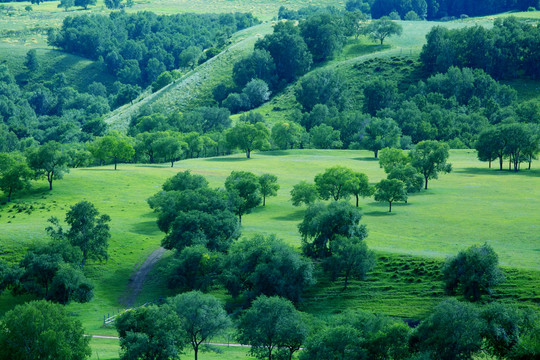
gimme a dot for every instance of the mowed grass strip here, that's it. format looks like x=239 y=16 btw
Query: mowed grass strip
x=472 y=205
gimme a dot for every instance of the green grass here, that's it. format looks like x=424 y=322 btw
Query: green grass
x=472 y=205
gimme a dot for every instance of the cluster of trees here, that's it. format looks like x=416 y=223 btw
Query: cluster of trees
x=478 y=47
x=518 y=142
x=406 y=174
x=54 y=270
x=137 y=48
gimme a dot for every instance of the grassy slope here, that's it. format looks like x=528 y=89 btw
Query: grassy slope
x=472 y=205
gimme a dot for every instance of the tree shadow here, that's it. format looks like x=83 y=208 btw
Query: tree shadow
x=496 y=171
x=227 y=159
x=366 y=158
x=145 y=228
x=274 y=153
x=380 y=213
x=294 y=216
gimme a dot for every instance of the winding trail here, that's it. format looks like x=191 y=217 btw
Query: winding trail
x=137 y=279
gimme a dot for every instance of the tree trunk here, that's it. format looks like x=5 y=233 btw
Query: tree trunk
x=376 y=153
x=346 y=281
x=530 y=161
x=425 y=187
x=269 y=354
x=490 y=163
x=240 y=218
x=390 y=207
x=115 y=161
x=264 y=200
x=50 y=184
x=356 y=200
x=500 y=162
x=196 y=351
x=248 y=153
x=172 y=163
x=9 y=195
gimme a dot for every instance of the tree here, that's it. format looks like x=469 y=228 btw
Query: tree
x=248 y=137
x=490 y=146
x=303 y=192
x=325 y=137
x=114 y=146
x=381 y=133
x=269 y=324
x=14 y=173
x=85 y=3
x=66 y=4
x=391 y=158
x=170 y=148
x=257 y=93
x=244 y=192
x=412 y=180
x=326 y=87
x=452 y=331
x=194 y=268
x=379 y=94
x=258 y=65
x=384 y=27
x=189 y=57
x=286 y=134
x=429 y=158
x=390 y=190
x=336 y=342
x=48 y=160
x=357 y=21
x=268 y=186
x=88 y=231
x=359 y=186
x=323 y=34
x=288 y=50
x=42 y=330
x=266 y=265
x=164 y=79
x=31 y=62
x=472 y=272
x=323 y=223
x=185 y=180
x=201 y=317
x=334 y=183
x=70 y=284
x=150 y=332
x=113 y=4
x=350 y=258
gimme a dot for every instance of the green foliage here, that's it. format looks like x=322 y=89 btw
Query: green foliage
x=164 y=79
x=48 y=160
x=270 y=324
x=194 y=268
x=390 y=190
x=429 y=158
x=14 y=173
x=379 y=94
x=189 y=57
x=383 y=28
x=323 y=223
x=31 y=62
x=323 y=34
x=268 y=186
x=359 y=186
x=412 y=180
x=392 y=158
x=256 y=92
x=150 y=333
x=325 y=137
x=70 y=284
x=42 y=330
x=266 y=265
x=244 y=192
x=66 y=4
x=305 y=193
x=201 y=317
x=473 y=272
x=115 y=147
x=381 y=133
x=334 y=183
x=326 y=87
x=287 y=134
x=258 y=65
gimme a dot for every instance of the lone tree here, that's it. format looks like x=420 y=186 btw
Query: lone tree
x=383 y=28
x=429 y=158
x=390 y=190
x=88 y=230
x=381 y=133
x=472 y=272
x=244 y=192
x=304 y=192
x=272 y=323
x=269 y=186
x=359 y=186
x=42 y=330
x=334 y=183
x=14 y=173
x=248 y=137
x=201 y=316
x=115 y=147
x=48 y=160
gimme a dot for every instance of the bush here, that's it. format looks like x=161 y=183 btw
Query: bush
x=411 y=16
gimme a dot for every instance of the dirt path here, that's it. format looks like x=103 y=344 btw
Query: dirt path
x=137 y=279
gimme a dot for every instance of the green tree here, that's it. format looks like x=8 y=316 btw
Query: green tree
x=194 y=268
x=164 y=79
x=325 y=137
x=244 y=191
x=323 y=34
x=472 y=272
x=269 y=324
x=248 y=137
x=39 y=270
x=359 y=186
x=381 y=133
x=429 y=158
x=334 y=183
x=391 y=158
x=350 y=258
x=42 y=330
x=490 y=146
x=379 y=94
x=48 y=160
x=337 y=342
x=323 y=223
x=185 y=180
x=66 y=4
x=266 y=265
x=115 y=147
x=382 y=28
x=170 y=148
x=452 y=331
x=201 y=316
x=31 y=62
x=287 y=134
x=258 y=65
x=70 y=284
x=326 y=87
x=409 y=175
x=87 y=230
x=303 y=192
x=268 y=186
x=357 y=22
x=390 y=190
x=257 y=93
x=150 y=333
x=113 y=4
x=85 y=3
x=189 y=57
x=14 y=173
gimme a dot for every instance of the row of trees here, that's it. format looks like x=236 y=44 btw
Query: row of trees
x=54 y=270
